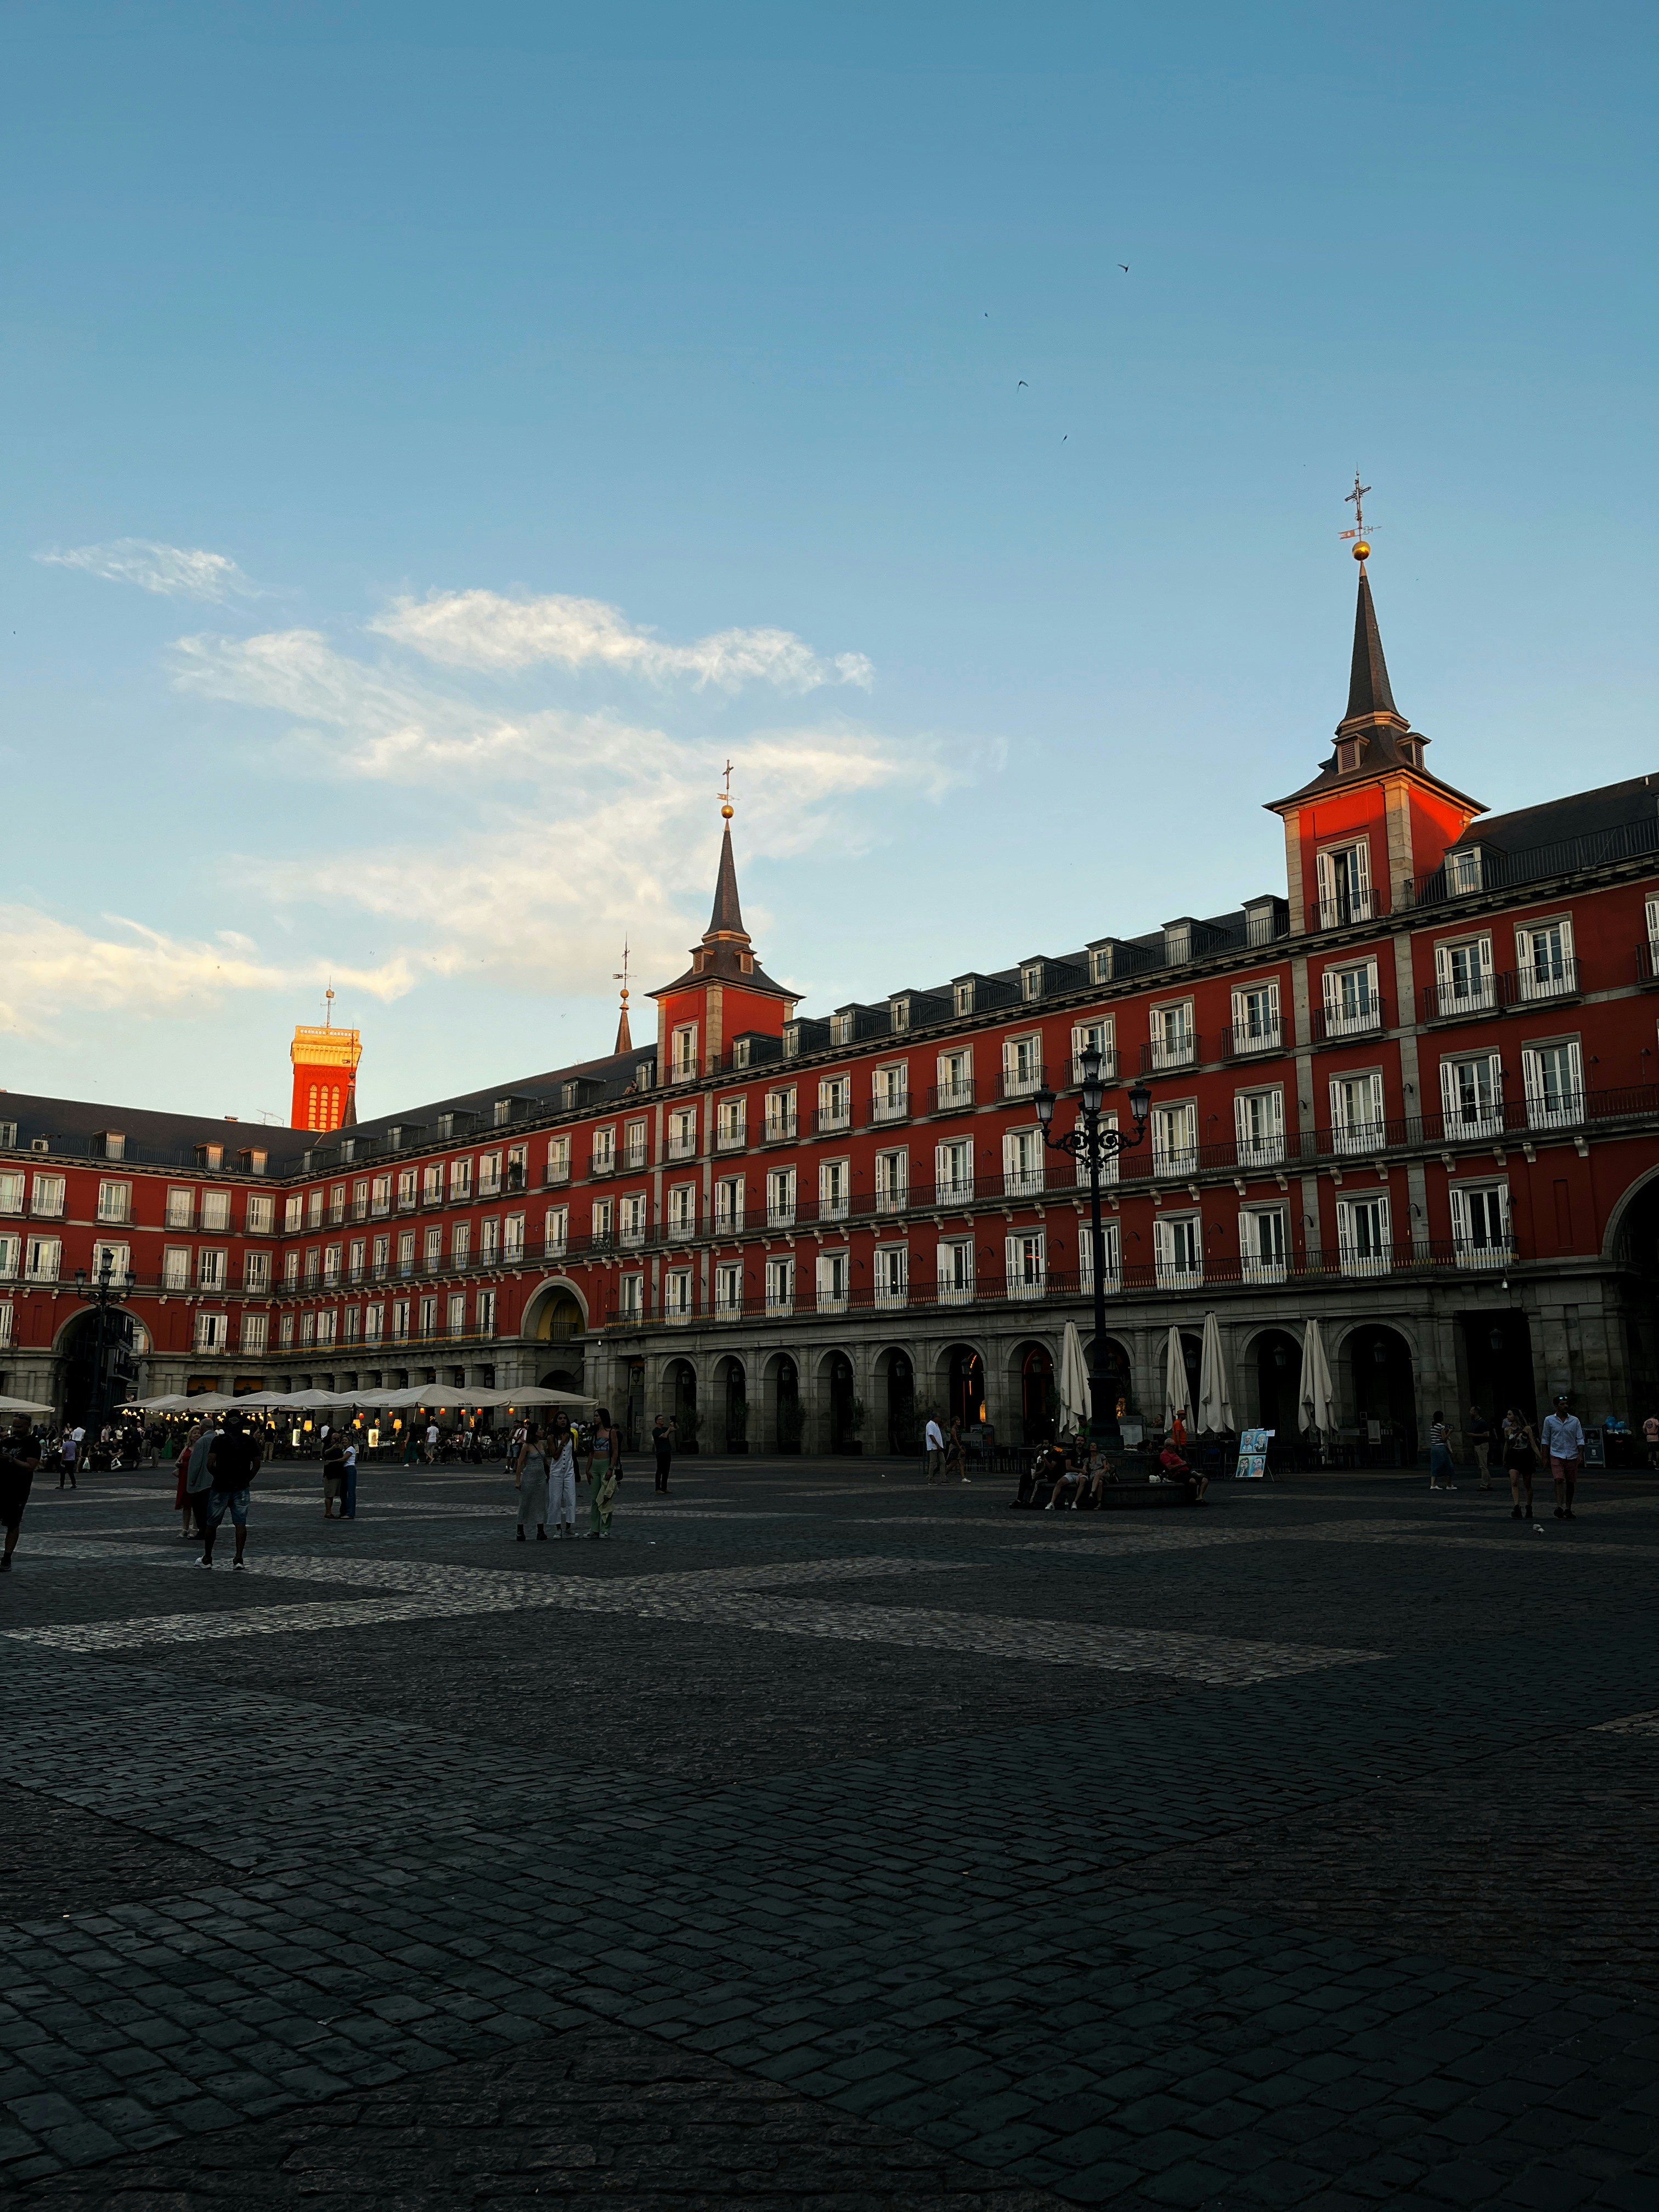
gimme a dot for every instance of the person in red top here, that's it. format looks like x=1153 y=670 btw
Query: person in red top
x=1174 y=1468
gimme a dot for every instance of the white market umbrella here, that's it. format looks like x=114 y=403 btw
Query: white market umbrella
x=1215 y=1413
x=171 y=1402
x=1317 y=1397
x=1074 y=1394
x=1174 y=1383
x=533 y=1394
x=23 y=1405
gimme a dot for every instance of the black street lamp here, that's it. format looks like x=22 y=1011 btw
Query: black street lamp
x=1094 y=1146
x=105 y=1291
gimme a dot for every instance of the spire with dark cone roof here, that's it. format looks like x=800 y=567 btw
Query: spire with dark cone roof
x=727 y=920
x=1367 y=680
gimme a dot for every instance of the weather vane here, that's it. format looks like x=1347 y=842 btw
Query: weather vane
x=724 y=797
x=620 y=974
x=1355 y=499
x=328 y=1006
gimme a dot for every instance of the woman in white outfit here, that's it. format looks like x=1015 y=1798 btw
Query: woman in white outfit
x=561 y=1467
x=530 y=1475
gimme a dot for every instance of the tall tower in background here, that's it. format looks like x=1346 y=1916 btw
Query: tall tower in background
x=324 y=1074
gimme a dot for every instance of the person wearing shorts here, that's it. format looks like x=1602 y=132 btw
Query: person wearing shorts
x=20 y=1455
x=232 y=1463
x=1564 y=1445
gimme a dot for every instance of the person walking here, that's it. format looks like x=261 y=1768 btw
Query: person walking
x=1564 y=1444
x=431 y=1442
x=530 y=1473
x=198 y=1476
x=1440 y=1458
x=334 y=1476
x=68 y=1449
x=662 y=1443
x=351 y=1505
x=20 y=1456
x=1480 y=1445
x=1520 y=1462
x=933 y=1443
x=562 y=1475
x=604 y=1472
x=1651 y=1438
x=956 y=1452
x=182 y=1502
x=232 y=1461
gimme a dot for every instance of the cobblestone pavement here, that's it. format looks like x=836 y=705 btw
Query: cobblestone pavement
x=823 y=1840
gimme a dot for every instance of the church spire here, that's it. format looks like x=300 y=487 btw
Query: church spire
x=727 y=920
x=1367 y=677
x=624 y=1037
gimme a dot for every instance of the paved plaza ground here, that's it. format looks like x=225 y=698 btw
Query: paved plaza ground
x=827 y=1841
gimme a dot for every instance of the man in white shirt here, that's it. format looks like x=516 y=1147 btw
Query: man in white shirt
x=431 y=1443
x=935 y=1445
x=1564 y=1448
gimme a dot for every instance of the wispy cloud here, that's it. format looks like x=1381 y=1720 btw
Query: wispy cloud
x=558 y=827
x=484 y=630
x=174 y=572
x=54 y=967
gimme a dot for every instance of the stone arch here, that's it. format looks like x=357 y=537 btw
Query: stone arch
x=547 y=1311
x=1376 y=1381
x=1033 y=1371
x=682 y=1403
x=728 y=1410
x=1628 y=1215
x=781 y=1417
x=895 y=1423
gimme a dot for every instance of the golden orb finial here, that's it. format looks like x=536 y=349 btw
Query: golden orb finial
x=727 y=809
x=1361 y=550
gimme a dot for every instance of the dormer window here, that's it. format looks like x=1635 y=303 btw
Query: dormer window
x=643 y=1072
x=1350 y=752
x=1030 y=981
x=113 y=1144
x=840 y=1029
x=1100 y=965
x=684 y=1051
x=964 y=997
x=740 y=1052
x=211 y=1157
x=1463 y=871
x=1177 y=943
x=899 y=1013
x=792 y=1039
x=502 y=1113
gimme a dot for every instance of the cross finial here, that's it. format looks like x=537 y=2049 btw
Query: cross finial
x=726 y=808
x=620 y=974
x=1355 y=499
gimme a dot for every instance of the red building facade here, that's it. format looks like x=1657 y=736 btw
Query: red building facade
x=1413 y=1092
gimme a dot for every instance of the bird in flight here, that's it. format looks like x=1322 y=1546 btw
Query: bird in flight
x=1022 y=382
x=1124 y=266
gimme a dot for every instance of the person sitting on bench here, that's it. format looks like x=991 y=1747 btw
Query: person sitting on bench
x=1173 y=1468
x=1068 y=1478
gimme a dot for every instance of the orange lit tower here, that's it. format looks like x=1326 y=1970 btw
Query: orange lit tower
x=324 y=1074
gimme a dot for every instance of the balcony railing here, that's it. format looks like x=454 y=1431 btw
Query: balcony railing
x=1170 y=1272
x=891 y=1109
x=1243 y=1040
x=781 y=1128
x=1021 y=1083
x=730 y=1139
x=1365 y=1017
x=1647 y=962
x=1163 y=1054
x=1502 y=992
x=682 y=1148
x=1343 y=909
x=598 y=1163
x=558 y=1170
x=1564 y=856
x=828 y=1121
x=950 y=1097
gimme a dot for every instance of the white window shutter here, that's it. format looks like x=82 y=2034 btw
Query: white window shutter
x=1460 y=1215
x=1359 y=869
x=941 y=1164
x=1333 y=993
x=1448 y=1090
x=1339 y=1118
x=1240 y=1121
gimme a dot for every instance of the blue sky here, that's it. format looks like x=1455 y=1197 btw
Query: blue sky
x=438 y=438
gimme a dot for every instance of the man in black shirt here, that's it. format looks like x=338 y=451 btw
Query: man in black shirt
x=20 y=1455
x=233 y=1463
